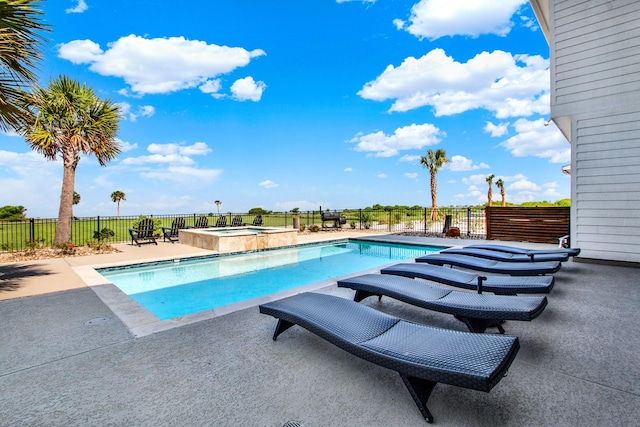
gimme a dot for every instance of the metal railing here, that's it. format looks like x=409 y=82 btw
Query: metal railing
x=32 y=232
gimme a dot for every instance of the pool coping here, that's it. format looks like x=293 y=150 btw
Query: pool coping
x=142 y=322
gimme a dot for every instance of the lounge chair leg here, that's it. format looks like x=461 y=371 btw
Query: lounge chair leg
x=360 y=295
x=420 y=391
x=282 y=326
x=479 y=325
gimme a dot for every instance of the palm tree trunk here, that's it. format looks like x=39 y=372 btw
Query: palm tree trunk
x=118 y=208
x=434 y=197
x=63 y=228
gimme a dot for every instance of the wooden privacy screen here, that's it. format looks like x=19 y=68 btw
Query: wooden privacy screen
x=537 y=225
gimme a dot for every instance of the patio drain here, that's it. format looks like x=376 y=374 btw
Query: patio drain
x=97 y=321
x=293 y=423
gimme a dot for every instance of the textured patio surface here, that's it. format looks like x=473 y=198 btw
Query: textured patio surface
x=67 y=360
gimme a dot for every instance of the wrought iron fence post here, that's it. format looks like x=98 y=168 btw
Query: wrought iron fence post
x=32 y=229
x=99 y=234
x=468 y=221
x=425 y=220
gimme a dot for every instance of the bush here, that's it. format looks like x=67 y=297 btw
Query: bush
x=98 y=245
x=314 y=228
x=65 y=248
x=12 y=213
x=103 y=234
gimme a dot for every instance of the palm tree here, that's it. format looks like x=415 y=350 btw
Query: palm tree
x=68 y=119
x=116 y=197
x=218 y=203
x=500 y=185
x=19 y=53
x=433 y=161
x=490 y=192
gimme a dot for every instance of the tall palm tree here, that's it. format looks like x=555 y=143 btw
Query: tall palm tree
x=20 y=42
x=490 y=192
x=68 y=119
x=117 y=196
x=433 y=161
x=500 y=185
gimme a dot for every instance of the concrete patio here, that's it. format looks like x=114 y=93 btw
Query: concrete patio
x=67 y=360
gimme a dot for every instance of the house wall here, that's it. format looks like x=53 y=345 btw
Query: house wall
x=595 y=96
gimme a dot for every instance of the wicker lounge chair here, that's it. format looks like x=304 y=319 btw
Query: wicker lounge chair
x=490 y=266
x=499 y=285
x=257 y=221
x=477 y=311
x=506 y=257
x=516 y=250
x=422 y=355
x=144 y=232
x=201 y=222
x=171 y=233
x=221 y=221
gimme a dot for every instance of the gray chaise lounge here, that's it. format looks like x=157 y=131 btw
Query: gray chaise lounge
x=504 y=256
x=422 y=355
x=477 y=311
x=516 y=250
x=499 y=267
x=499 y=285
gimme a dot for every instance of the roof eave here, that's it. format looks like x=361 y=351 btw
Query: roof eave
x=541 y=9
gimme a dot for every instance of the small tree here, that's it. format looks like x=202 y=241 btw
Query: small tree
x=76 y=200
x=500 y=185
x=116 y=197
x=12 y=213
x=490 y=192
x=433 y=161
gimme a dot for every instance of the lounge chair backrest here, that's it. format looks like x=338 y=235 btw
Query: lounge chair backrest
x=178 y=224
x=237 y=221
x=201 y=222
x=222 y=221
x=257 y=221
x=145 y=228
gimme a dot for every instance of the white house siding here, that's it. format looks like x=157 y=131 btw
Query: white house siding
x=595 y=81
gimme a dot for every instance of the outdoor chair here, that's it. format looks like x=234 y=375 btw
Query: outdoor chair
x=257 y=221
x=516 y=250
x=237 y=221
x=171 y=233
x=143 y=232
x=201 y=222
x=422 y=355
x=478 y=311
x=499 y=285
x=506 y=257
x=490 y=266
x=222 y=221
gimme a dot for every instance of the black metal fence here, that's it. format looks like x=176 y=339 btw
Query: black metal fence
x=32 y=233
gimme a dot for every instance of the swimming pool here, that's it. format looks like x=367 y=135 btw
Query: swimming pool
x=177 y=288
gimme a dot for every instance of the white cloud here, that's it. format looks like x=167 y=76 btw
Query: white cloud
x=173 y=154
x=501 y=129
x=159 y=65
x=268 y=184
x=381 y=175
x=184 y=174
x=462 y=164
x=126 y=146
x=475 y=179
x=411 y=137
x=348 y=169
x=212 y=87
x=433 y=19
x=142 y=111
x=533 y=138
x=505 y=84
x=411 y=175
x=78 y=8
x=407 y=158
x=247 y=89
x=523 y=185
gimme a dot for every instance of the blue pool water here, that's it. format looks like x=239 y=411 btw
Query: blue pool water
x=177 y=288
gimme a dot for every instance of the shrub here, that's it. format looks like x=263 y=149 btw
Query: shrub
x=65 y=248
x=98 y=245
x=314 y=228
x=103 y=234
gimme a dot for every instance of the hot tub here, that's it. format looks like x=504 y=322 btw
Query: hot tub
x=238 y=239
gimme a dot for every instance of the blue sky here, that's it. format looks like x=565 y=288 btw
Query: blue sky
x=280 y=104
